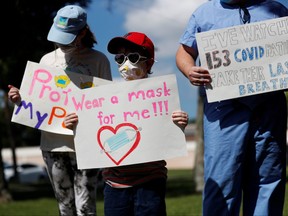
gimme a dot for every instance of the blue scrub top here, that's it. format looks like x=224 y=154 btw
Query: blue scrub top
x=216 y=15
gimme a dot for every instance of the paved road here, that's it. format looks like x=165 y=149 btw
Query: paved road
x=33 y=155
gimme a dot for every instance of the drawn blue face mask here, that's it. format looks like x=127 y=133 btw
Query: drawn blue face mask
x=120 y=139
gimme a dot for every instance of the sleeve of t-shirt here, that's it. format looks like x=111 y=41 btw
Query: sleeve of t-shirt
x=106 y=72
x=188 y=38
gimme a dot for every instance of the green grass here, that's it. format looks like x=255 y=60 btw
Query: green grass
x=181 y=199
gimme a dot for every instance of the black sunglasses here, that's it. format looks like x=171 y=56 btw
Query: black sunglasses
x=246 y=15
x=134 y=58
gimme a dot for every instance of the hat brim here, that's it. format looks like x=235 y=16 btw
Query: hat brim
x=117 y=42
x=61 y=37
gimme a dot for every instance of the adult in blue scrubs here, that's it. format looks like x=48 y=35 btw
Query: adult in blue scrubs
x=244 y=138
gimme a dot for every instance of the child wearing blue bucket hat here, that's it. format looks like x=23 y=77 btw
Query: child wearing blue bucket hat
x=74 y=189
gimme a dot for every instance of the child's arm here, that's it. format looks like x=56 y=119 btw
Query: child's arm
x=14 y=94
x=180 y=118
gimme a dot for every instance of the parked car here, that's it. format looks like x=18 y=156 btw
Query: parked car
x=27 y=172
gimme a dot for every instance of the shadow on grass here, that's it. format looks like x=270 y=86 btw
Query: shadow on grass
x=20 y=191
x=179 y=183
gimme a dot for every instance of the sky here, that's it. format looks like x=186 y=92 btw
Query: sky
x=163 y=21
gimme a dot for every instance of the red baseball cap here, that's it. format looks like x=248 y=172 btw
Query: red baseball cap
x=137 y=39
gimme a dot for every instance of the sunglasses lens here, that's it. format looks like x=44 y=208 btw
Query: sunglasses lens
x=133 y=57
x=120 y=58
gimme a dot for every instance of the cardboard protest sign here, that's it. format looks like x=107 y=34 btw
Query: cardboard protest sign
x=245 y=60
x=132 y=123
x=47 y=96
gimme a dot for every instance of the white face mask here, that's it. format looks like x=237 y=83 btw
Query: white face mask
x=132 y=72
x=68 y=49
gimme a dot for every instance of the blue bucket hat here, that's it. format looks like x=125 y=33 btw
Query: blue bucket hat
x=67 y=24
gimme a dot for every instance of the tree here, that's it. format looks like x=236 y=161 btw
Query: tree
x=25 y=25
x=199 y=154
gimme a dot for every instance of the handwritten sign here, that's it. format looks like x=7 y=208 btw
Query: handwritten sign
x=47 y=97
x=245 y=60
x=132 y=125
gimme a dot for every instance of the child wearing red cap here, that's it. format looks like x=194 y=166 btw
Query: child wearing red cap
x=137 y=189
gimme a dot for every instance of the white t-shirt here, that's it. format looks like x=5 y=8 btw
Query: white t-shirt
x=88 y=62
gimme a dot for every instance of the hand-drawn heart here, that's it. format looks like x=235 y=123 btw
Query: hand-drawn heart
x=114 y=131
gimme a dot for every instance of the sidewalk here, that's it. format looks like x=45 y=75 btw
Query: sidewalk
x=23 y=155
x=33 y=155
x=187 y=162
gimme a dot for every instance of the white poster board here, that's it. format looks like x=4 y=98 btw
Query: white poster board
x=245 y=60
x=47 y=96
x=130 y=123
